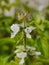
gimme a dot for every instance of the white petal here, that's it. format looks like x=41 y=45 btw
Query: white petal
x=29 y=29
x=13 y=35
x=21 y=55
x=28 y=35
x=37 y=53
x=31 y=48
x=15 y=28
x=22 y=61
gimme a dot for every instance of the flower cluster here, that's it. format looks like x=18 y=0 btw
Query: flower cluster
x=16 y=28
x=22 y=55
x=20 y=49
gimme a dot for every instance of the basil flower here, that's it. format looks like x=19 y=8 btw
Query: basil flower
x=22 y=55
x=28 y=30
x=15 y=28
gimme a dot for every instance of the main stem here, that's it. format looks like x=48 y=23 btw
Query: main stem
x=24 y=37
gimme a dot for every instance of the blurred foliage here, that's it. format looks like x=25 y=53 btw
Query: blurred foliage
x=40 y=37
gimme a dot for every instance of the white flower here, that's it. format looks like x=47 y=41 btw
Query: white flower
x=22 y=61
x=22 y=55
x=31 y=48
x=10 y=12
x=13 y=35
x=15 y=28
x=20 y=48
x=37 y=53
x=28 y=30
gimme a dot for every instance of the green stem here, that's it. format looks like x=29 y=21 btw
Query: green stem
x=24 y=37
x=24 y=41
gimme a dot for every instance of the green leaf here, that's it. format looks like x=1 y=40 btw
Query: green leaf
x=45 y=47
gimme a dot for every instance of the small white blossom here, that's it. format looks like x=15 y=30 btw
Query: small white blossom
x=22 y=61
x=15 y=28
x=31 y=48
x=13 y=35
x=22 y=55
x=37 y=53
x=28 y=30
